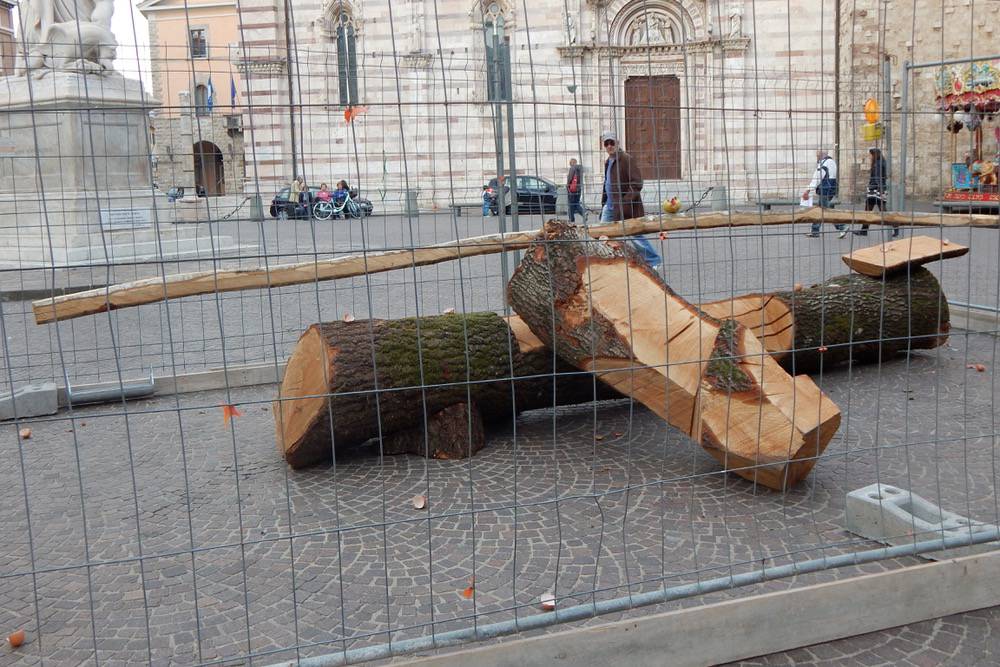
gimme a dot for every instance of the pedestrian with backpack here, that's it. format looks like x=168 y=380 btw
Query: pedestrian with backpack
x=824 y=184
x=574 y=191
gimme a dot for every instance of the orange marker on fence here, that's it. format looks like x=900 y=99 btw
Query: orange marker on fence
x=350 y=113
x=229 y=411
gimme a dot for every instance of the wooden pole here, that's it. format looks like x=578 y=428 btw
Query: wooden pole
x=152 y=290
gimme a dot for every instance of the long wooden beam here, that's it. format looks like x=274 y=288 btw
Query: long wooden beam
x=152 y=290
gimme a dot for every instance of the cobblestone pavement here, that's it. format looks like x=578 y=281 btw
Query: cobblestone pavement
x=152 y=532
x=240 y=555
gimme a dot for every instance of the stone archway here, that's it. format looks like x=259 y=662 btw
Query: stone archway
x=209 y=169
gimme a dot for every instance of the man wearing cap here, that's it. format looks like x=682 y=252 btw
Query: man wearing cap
x=622 y=195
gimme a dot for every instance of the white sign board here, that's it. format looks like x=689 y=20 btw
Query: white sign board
x=125 y=218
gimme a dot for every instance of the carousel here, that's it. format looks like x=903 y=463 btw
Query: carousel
x=969 y=97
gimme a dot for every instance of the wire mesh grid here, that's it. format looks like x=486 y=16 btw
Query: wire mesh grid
x=168 y=528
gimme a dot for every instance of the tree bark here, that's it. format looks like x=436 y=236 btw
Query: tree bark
x=847 y=318
x=601 y=308
x=453 y=433
x=903 y=313
x=349 y=382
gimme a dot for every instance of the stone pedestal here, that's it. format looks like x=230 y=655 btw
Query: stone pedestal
x=75 y=184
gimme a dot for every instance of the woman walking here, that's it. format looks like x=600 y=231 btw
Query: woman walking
x=875 y=197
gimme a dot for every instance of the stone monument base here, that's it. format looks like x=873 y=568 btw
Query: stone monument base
x=75 y=183
x=132 y=227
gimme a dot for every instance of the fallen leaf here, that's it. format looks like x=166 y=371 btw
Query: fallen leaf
x=16 y=638
x=663 y=236
x=548 y=601
x=448 y=311
x=822 y=348
x=25 y=433
x=348 y=317
x=471 y=589
x=228 y=412
x=419 y=502
x=976 y=367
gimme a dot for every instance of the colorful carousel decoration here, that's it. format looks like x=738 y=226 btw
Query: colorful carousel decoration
x=969 y=97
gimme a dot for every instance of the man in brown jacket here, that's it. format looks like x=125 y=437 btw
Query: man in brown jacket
x=622 y=194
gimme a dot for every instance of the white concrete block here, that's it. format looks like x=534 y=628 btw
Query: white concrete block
x=894 y=516
x=32 y=400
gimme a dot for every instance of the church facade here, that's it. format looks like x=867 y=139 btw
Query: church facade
x=416 y=97
x=700 y=90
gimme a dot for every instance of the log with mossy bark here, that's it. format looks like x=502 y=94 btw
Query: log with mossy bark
x=909 y=313
x=601 y=308
x=847 y=318
x=349 y=382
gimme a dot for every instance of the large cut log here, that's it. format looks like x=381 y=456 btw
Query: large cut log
x=847 y=318
x=601 y=308
x=162 y=288
x=349 y=382
x=898 y=314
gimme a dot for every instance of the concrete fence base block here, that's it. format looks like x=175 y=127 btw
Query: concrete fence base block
x=894 y=516
x=33 y=400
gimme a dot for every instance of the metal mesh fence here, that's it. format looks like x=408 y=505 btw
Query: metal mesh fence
x=209 y=478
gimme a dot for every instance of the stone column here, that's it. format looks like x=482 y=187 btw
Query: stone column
x=184 y=145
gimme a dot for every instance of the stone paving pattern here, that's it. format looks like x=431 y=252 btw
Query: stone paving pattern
x=202 y=546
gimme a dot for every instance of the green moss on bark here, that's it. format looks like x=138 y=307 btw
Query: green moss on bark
x=723 y=370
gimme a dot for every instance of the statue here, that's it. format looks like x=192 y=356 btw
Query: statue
x=735 y=22
x=570 y=29
x=73 y=35
x=651 y=29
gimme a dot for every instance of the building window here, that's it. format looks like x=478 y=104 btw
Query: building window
x=199 y=42
x=201 y=106
x=347 y=61
x=498 y=70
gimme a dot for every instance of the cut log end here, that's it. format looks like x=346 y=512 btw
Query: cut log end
x=303 y=401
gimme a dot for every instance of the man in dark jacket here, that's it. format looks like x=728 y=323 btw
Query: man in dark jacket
x=574 y=190
x=622 y=195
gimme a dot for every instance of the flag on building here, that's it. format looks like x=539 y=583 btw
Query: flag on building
x=210 y=102
x=232 y=91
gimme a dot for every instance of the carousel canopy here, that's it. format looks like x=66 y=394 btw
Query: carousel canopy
x=976 y=84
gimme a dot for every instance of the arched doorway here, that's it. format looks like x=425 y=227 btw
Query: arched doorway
x=209 y=169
